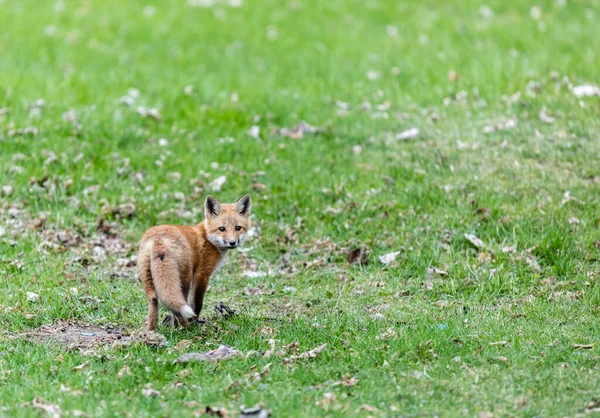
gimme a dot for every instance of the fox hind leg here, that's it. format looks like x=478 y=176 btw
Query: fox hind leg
x=146 y=278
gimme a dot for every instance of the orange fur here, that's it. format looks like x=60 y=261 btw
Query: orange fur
x=176 y=262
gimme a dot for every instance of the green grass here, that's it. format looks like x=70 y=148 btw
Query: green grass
x=288 y=61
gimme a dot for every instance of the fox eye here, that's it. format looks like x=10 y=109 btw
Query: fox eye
x=238 y=228
x=222 y=228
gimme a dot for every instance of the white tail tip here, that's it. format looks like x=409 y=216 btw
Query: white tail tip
x=187 y=312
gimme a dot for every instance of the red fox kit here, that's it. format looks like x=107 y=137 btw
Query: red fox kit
x=174 y=261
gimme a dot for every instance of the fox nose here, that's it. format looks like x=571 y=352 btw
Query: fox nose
x=232 y=243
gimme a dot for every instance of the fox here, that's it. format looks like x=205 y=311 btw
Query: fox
x=176 y=262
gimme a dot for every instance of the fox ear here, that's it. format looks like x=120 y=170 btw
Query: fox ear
x=244 y=205
x=212 y=207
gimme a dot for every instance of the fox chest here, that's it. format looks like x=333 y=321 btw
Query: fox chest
x=209 y=269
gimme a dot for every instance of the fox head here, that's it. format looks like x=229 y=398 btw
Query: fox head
x=227 y=223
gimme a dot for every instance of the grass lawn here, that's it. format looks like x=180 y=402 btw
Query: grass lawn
x=119 y=115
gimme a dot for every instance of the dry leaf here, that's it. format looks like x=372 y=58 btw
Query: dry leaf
x=510 y=249
x=359 y=255
x=299 y=131
x=271 y=349
x=125 y=370
x=432 y=271
x=307 y=354
x=254 y=132
x=33 y=297
x=473 y=239
x=499 y=343
x=215 y=412
x=217 y=184
x=183 y=344
x=502 y=126
x=222 y=353
x=255 y=412
x=325 y=403
x=347 y=381
x=586 y=90
x=502 y=359
x=584 y=346
x=544 y=117
x=368 y=408
x=408 y=134
x=81 y=366
x=149 y=392
x=254 y=274
x=153 y=112
x=52 y=411
x=568 y=198
x=389 y=257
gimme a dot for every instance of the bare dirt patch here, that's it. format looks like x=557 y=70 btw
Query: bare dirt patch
x=79 y=336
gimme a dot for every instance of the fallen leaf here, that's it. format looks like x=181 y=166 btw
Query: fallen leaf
x=307 y=354
x=215 y=412
x=149 y=392
x=535 y=12
x=499 y=343
x=389 y=257
x=584 y=346
x=433 y=271
x=52 y=411
x=586 y=90
x=259 y=187
x=373 y=75
x=299 y=130
x=254 y=132
x=502 y=359
x=544 y=117
x=510 y=249
x=81 y=366
x=574 y=221
x=408 y=134
x=254 y=274
x=183 y=344
x=152 y=112
x=368 y=408
x=328 y=398
x=222 y=353
x=125 y=370
x=33 y=297
x=255 y=412
x=593 y=406
x=501 y=126
x=568 y=198
x=217 y=184
x=359 y=255
x=347 y=381
x=473 y=239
